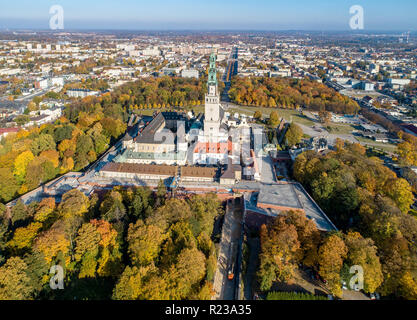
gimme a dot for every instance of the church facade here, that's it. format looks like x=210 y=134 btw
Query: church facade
x=173 y=138
x=213 y=143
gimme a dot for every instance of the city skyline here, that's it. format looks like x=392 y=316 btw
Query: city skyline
x=323 y=15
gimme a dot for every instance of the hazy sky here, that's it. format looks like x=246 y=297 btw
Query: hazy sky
x=211 y=14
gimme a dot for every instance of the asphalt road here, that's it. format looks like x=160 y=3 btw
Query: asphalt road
x=230 y=71
x=223 y=287
x=31 y=96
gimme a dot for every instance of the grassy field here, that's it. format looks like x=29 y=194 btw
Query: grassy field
x=383 y=146
x=149 y=112
x=340 y=128
x=287 y=114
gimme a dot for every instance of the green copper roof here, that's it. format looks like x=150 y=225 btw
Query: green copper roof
x=131 y=155
x=212 y=76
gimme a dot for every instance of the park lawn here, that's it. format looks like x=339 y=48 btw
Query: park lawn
x=383 y=146
x=146 y=112
x=196 y=109
x=287 y=114
x=149 y=112
x=341 y=128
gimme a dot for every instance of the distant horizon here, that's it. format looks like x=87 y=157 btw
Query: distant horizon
x=99 y=30
x=213 y=15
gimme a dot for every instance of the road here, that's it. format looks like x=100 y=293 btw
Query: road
x=224 y=288
x=232 y=69
x=31 y=96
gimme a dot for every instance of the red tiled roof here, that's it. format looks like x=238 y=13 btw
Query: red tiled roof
x=198 y=172
x=210 y=147
x=7 y=130
x=141 y=168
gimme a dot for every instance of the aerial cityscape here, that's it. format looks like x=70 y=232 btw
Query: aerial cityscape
x=151 y=160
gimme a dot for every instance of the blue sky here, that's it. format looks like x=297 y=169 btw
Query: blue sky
x=210 y=14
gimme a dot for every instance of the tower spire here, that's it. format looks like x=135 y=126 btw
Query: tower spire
x=212 y=76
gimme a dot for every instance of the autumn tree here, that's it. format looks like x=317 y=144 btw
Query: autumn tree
x=23 y=238
x=63 y=132
x=140 y=205
x=42 y=143
x=279 y=244
x=97 y=250
x=408 y=284
x=14 y=280
x=187 y=272
x=293 y=135
x=84 y=145
x=144 y=243
x=74 y=203
x=363 y=252
x=204 y=211
x=73 y=209
x=19 y=213
x=20 y=165
x=325 y=116
x=399 y=190
x=45 y=209
x=289 y=93
x=8 y=185
x=172 y=211
x=257 y=115
x=331 y=255
x=308 y=236
x=112 y=208
x=140 y=283
x=53 y=242
x=273 y=119
x=411 y=178
x=407 y=152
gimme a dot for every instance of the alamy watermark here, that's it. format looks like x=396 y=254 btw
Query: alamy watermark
x=56 y=22
x=357 y=21
x=356 y=281
x=57 y=279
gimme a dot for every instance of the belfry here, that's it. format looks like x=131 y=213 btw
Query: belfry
x=213 y=111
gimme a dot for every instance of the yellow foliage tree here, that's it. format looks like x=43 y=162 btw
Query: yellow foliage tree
x=45 y=209
x=331 y=255
x=23 y=237
x=399 y=190
x=21 y=163
x=53 y=241
x=66 y=145
x=408 y=286
x=52 y=156
x=67 y=165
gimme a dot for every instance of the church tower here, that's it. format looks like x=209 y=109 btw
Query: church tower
x=212 y=104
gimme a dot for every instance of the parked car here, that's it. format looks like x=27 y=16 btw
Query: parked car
x=375 y=296
x=318 y=277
